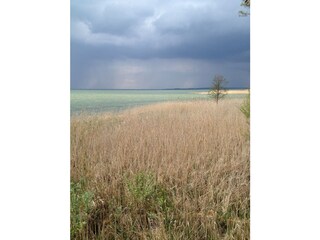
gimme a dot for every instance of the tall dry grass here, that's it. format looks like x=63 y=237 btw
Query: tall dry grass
x=167 y=171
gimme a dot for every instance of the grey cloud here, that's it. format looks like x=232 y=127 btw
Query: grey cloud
x=160 y=73
x=150 y=34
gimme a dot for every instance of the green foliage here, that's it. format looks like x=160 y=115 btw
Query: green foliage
x=245 y=4
x=81 y=205
x=142 y=186
x=150 y=198
x=245 y=108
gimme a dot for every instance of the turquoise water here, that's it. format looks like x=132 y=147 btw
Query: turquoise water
x=95 y=101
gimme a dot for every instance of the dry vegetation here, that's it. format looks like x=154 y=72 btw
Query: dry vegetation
x=167 y=171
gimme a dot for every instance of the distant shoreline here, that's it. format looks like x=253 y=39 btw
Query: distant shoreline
x=157 y=89
x=230 y=91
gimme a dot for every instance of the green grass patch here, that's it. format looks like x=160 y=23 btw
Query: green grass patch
x=81 y=205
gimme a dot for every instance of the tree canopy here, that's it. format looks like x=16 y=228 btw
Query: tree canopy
x=245 y=4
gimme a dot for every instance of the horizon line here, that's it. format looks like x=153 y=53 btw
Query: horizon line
x=152 y=88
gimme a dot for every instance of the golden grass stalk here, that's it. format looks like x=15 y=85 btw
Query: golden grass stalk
x=177 y=170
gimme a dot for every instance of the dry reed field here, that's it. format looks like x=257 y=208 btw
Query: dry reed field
x=177 y=170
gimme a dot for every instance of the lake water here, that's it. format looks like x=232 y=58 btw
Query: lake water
x=95 y=101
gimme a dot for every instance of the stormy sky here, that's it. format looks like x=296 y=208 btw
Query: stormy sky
x=148 y=44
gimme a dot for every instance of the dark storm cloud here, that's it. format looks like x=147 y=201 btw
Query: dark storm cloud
x=199 y=37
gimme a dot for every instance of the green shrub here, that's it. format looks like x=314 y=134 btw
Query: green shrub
x=245 y=108
x=150 y=198
x=81 y=205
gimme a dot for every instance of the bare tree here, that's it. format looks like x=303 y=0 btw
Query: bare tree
x=218 y=90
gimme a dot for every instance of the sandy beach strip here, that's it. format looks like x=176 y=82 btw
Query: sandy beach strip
x=235 y=91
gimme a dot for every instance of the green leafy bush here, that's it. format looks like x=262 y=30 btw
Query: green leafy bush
x=150 y=198
x=81 y=205
x=245 y=108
